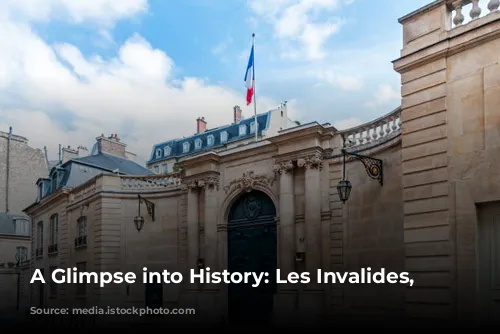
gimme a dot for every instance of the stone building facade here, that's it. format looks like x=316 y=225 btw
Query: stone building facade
x=20 y=166
x=274 y=203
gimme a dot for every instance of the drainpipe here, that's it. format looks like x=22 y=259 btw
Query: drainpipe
x=7 y=174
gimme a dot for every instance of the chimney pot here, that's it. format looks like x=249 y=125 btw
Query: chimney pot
x=238 y=115
x=201 y=125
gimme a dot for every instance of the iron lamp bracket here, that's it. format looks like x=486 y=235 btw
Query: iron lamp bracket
x=373 y=167
x=150 y=206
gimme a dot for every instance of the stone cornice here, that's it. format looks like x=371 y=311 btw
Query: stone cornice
x=199 y=160
x=209 y=180
x=313 y=131
x=47 y=203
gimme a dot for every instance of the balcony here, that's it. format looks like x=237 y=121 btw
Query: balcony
x=53 y=249
x=81 y=241
x=39 y=252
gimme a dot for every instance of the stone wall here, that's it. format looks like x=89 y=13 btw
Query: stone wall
x=450 y=139
x=26 y=165
x=8 y=289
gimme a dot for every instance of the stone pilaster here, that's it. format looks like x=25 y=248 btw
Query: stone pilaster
x=287 y=219
x=211 y=185
x=193 y=225
x=313 y=166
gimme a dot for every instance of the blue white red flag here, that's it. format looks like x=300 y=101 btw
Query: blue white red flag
x=250 y=78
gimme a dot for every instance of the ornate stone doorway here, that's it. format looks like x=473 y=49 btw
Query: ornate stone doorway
x=252 y=247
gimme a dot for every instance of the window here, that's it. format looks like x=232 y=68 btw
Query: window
x=54 y=228
x=252 y=127
x=39 y=239
x=81 y=232
x=54 y=182
x=156 y=169
x=197 y=144
x=164 y=168
x=22 y=254
x=185 y=147
x=243 y=130
x=40 y=191
x=158 y=153
x=166 y=151
x=53 y=286
x=82 y=226
x=210 y=140
x=223 y=136
x=81 y=288
x=22 y=227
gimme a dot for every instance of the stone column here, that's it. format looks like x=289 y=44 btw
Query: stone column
x=287 y=220
x=211 y=185
x=313 y=166
x=193 y=227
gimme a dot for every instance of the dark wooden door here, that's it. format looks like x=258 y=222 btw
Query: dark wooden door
x=252 y=247
x=154 y=295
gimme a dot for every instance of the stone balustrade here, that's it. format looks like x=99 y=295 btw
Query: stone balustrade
x=375 y=132
x=464 y=11
x=172 y=180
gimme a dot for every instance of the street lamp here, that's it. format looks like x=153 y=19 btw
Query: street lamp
x=139 y=220
x=373 y=168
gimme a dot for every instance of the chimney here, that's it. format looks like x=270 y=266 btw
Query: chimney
x=237 y=114
x=111 y=145
x=201 y=125
x=83 y=151
x=68 y=153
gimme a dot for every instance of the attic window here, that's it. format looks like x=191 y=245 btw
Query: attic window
x=210 y=140
x=40 y=191
x=223 y=136
x=167 y=150
x=243 y=130
x=158 y=153
x=252 y=127
x=54 y=182
x=197 y=144
x=185 y=147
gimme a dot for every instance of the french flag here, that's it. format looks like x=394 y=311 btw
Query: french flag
x=250 y=78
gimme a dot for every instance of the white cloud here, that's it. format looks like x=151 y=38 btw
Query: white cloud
x=347 y=123
x=297 y=21
x=345 y=82
x=58 y=95
x=385 y=93
x=104 y=12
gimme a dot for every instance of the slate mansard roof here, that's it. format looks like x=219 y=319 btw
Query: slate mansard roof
x=175 y=146
x=8 y=223
x=79 y=170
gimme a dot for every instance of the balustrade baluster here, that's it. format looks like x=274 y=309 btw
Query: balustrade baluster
x=493 y=5
x=459 y=17
x=475 y=12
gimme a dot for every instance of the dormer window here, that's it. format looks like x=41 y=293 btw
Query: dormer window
x=210 y=140
x=223 y=136
x=197 y=144
x=252 y=127
x=167 y=151
x=40 y=191
x=185 y=147
x=54 y=182
x=158 y=153
x=243 y=130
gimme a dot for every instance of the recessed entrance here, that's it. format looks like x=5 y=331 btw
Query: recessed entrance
x=252 y=247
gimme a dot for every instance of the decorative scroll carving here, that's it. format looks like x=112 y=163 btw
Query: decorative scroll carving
x=248 y=182
x=209 y=183
x=283 y=167
x=311 y=162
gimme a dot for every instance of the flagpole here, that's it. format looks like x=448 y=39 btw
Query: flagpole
x=254 y=95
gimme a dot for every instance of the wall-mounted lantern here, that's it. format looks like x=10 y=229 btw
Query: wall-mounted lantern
x=139 y=220
x=373 y=167
x=201 y=263
x=300 y=256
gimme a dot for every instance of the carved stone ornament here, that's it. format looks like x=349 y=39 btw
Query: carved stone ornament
x=311 y=162
x=283 y=167
x=209 y=183
x=248 y=182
